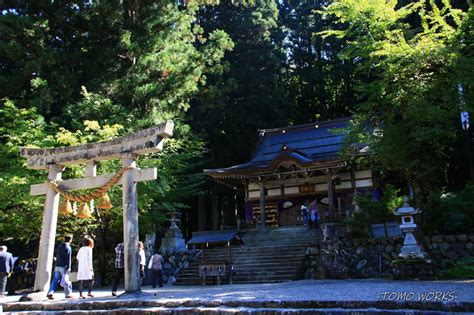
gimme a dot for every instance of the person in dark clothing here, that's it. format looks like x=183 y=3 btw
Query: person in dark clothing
x=6 y=267
x=314 y=214
x=156 y=266
x=119 y=266
x=31 y=271
x=17 y=277
x=63 y=266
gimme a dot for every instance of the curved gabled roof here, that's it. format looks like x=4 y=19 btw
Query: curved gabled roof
x=310 y=145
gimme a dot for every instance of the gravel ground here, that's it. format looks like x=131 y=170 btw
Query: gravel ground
x=304 y=290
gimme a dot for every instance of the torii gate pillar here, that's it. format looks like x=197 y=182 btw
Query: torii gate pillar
x=130 y=228
x=48 y=232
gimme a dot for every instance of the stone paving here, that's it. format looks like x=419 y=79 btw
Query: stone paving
x=431 y=295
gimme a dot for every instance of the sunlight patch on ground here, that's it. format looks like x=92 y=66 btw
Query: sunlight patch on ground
x=247 y=295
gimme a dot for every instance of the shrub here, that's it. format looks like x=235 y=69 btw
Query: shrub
x=374 y=211
x=449 y=213
x=463 y=269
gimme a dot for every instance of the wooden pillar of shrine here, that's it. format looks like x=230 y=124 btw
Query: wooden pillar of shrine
x=330 y=194
x=263 y=215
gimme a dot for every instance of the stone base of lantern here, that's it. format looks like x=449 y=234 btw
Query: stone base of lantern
x=173 y=242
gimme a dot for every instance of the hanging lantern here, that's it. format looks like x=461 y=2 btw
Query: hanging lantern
x=104 y=202
x=65 y=207
x=83 y=211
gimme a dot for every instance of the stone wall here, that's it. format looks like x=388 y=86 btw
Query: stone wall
x=177 y=262
x=446 y=249
x=370 y=258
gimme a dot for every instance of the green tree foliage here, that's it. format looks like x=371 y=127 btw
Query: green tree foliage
x=450 y=213
x=463 y=269
x=248 y=93
x=409 y=55
x=164 y=55
x=374 y=211
x=19 y=212
x=319 y=81
x=147 y=56
x=179 y=178
x=94 y=71
x=52 y=48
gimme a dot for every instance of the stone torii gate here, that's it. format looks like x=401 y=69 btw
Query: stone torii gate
x=125 y=148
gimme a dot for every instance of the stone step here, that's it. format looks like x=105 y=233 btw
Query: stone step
x=265 y=244
x=263 y=249
x=237 y=280
x=252 y=264
x=275 y=269
x=252 y=275
x=272 y=265
x=243 y=273
x=270 y=255
x=269 y=250
x=254 y=254
x=143 y=303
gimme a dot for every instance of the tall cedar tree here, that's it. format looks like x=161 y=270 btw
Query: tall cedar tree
x=248 y=93
x=128 y=62
x=318 y=80
x=147 y=56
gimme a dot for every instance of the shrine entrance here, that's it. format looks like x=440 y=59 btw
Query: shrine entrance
x=126 y=149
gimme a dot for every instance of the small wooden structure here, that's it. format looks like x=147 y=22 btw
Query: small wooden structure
x=216 y=269
x=125 y=148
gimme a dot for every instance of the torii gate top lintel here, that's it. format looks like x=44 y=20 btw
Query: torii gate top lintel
x=141 y=142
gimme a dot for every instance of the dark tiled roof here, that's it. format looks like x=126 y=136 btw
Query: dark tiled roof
x=306 y=145
x=212 y=237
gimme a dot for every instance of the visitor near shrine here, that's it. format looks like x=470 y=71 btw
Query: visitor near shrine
x=141 y=252
x=62 y=268
x=156 y=266
x=304 y=212
x=6 y=267
x=85 y=270
x=119 y=267
x=313 y=208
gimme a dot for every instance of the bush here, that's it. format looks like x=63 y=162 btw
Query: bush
x=463 y=269
x=374 y=211
x=449 y=213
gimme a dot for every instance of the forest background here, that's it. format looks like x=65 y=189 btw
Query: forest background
x=74 y=72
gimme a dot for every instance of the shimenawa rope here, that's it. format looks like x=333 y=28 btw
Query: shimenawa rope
x=91 y=195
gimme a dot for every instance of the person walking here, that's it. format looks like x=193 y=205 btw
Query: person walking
x=141 y=253
x=62 y=268
x=85 y=270
x=314 y=214
x=304 y=212
x=6 y=267
x=119 y=266
x=156 y=266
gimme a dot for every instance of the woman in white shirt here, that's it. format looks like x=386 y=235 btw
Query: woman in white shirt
x=85 y=271
x=141 y=252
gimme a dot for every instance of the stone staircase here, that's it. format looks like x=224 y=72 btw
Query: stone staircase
x=270 y=255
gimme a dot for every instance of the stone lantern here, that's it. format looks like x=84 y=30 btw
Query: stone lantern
x=410 y=248
x=173 y=242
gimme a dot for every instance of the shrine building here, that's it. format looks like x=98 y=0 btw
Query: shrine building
x=297 y=164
